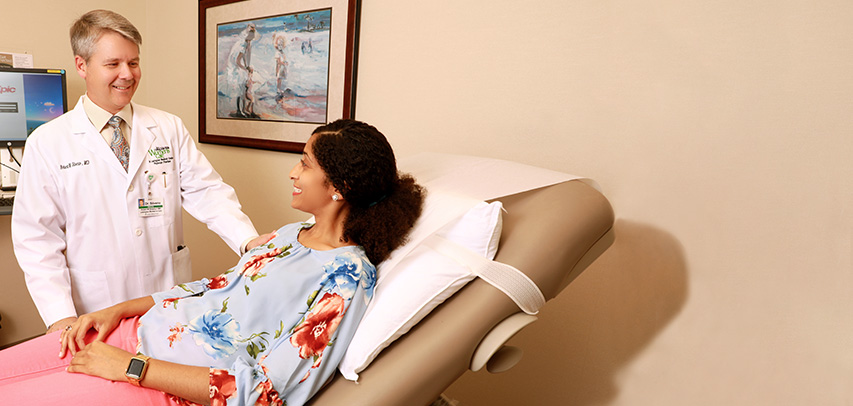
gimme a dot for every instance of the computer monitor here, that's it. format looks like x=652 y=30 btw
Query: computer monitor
x=28 y=99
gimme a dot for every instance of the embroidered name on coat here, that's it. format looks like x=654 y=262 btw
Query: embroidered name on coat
x=73 y=164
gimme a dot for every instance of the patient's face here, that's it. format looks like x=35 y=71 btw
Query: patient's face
x=311 y=191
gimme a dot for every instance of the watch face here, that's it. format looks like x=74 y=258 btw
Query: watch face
x=134 y=370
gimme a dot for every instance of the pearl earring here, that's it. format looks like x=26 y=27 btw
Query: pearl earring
x=335 y=197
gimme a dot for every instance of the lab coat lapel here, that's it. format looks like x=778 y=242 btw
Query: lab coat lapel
x=142 y=138
x=91 y=138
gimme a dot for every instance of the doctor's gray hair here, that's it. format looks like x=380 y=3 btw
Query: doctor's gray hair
x=86 y=31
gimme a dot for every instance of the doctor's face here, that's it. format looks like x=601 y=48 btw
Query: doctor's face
x=112 y=73
x=312 y=192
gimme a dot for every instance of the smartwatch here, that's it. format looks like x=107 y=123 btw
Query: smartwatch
x=136 y=369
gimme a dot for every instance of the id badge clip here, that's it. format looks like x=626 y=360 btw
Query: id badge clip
x=151 y=206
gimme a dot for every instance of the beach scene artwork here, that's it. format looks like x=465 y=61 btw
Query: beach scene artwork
x=274 y=68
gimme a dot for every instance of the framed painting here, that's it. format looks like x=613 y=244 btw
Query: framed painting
x=270 y=71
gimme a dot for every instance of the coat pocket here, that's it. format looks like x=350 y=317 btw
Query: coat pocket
x=90 y=290
x=181 y=265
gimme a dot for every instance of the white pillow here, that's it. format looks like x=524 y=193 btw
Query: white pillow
x=416 y=279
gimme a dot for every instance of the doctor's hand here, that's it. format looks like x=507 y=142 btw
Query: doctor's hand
x=60 y=324
x=260 y=240
x=103 y=321
x=101 y=360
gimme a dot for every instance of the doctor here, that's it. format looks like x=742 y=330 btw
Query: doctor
x=97 y=218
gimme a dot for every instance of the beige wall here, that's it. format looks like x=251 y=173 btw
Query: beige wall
x=720 y=131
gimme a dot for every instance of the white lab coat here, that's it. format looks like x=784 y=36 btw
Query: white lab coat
x=76 y=227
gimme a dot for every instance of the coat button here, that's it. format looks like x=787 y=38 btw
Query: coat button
x=138 y=232
x=130 y=189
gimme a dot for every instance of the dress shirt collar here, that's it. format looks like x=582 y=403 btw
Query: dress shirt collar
x=99 y=116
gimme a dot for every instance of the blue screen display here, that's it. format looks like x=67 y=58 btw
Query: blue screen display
x=28 y=99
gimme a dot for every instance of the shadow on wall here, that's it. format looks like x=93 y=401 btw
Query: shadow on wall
x=596 y=326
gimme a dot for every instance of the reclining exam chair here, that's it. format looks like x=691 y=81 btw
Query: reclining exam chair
x=551 y=234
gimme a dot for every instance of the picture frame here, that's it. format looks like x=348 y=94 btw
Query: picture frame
x=271 y=71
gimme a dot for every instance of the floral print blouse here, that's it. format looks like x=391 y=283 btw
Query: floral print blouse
x=273 y=328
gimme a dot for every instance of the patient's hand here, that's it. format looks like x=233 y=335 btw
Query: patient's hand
x=102 y=360
x=61 y=324
x=103 y=321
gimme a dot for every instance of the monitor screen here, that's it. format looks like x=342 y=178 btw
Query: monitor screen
x=28 y=99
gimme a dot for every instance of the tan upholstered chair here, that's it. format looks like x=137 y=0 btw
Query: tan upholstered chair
x=551 y=234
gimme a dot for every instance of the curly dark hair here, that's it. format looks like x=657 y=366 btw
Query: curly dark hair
x=384 y=204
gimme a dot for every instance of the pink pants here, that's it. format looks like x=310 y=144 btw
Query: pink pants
x=31 y=373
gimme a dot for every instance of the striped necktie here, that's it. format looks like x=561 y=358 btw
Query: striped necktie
x=119 y=144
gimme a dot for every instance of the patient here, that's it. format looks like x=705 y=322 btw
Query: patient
x=271 y=330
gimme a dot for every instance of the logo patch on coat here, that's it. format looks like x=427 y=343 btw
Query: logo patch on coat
x=160 y=155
